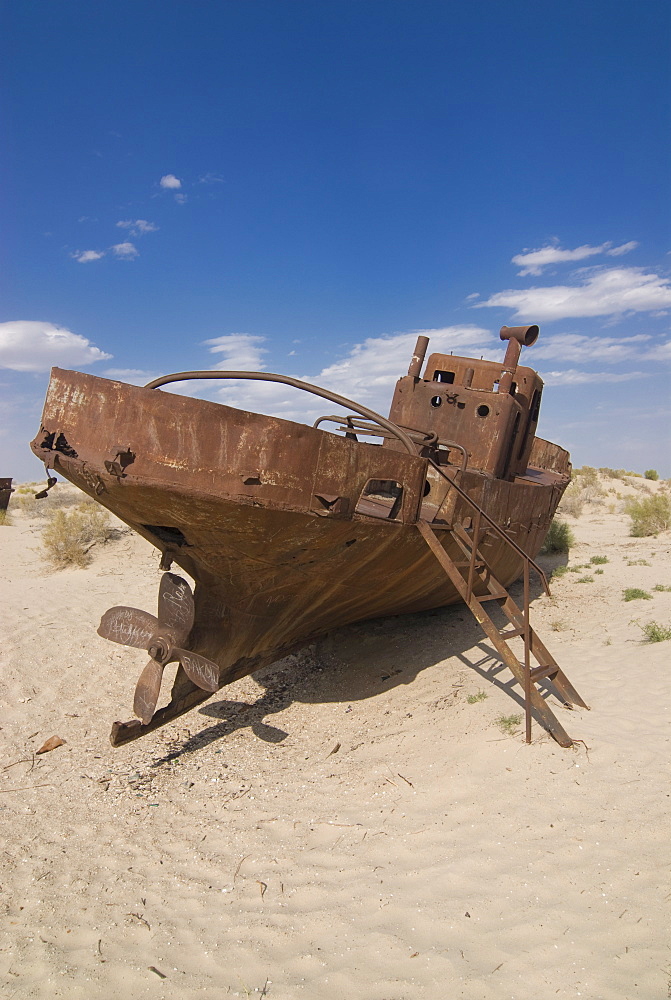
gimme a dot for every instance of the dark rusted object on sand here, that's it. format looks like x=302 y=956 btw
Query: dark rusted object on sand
x=290 y=531
x=5 y=492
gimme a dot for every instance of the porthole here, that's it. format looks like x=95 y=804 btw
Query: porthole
x=436 y=400
x=482 y=410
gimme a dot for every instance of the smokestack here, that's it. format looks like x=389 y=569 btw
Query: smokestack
x=418 y=357
x=517 y=337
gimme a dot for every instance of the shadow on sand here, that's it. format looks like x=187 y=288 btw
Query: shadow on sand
x=366 y=659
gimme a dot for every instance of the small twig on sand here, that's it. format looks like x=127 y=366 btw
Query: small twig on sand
x=240 y=864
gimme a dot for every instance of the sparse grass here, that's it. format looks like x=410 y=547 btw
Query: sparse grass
x=559 y=538
x=652 y=474
x=5 y=517
x=635 y=594
x=649 y=516
x=638 y=562
x=473 y=698
x=508 y=723
x=67 y=538
x=575 y=569
x=559 y=571
x=558 y=625
x=585 y=579
x=661 y=587
x=654 y=632
x=599 y=560
x=597 y=571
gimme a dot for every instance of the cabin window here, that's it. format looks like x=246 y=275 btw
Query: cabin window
x=381 y=498
x=436 y=400
x=535 y=406
x=439 y=376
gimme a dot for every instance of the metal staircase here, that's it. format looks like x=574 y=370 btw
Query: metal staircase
x=477 y=585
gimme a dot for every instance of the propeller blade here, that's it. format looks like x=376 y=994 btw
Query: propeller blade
x=203 y=672
x=129 y=627
x=147 y=691
x=176 y=607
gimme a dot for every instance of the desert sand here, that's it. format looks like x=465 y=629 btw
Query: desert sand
x=344 y=824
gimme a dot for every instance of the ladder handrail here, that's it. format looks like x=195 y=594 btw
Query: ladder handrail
x=497 y=528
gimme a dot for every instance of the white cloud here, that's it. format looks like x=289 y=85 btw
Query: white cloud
x=624 y=248
x=138 y=227
x=572 y=376
x=367 y=374
x=134 y=376
x=180 y=198
x=573 y=346
x=602 y=292
x=662 y=352
x=125 y=251
x=27 y=346
x=240 y=352
x=211 y=178
x=170 y=182
x=86 y=256
x=535 y=261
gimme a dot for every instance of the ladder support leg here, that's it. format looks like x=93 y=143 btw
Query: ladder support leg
x=521 y=672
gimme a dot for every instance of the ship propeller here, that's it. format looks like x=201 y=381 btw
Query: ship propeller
x=163 y=638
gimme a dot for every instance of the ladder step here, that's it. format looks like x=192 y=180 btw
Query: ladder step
x=545 y=670
x=492 y=597
x=510 y=634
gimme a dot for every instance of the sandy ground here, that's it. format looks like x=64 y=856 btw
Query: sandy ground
x=345 y=824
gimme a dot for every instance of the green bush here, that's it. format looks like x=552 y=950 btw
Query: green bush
x=599 y=560
x=559 y=538
x=654 y=632
x=67 y=538
x=636 y=594
x=649 y=516
x=652 y=474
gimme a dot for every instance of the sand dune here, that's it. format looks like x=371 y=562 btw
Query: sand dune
x=345 y=824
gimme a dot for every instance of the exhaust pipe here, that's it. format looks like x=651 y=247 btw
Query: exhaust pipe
x=417 y=361
x=517 y=337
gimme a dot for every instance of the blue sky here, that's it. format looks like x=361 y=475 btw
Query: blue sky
x=303 y=186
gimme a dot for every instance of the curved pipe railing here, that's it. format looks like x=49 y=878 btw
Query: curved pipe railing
x=334 y=397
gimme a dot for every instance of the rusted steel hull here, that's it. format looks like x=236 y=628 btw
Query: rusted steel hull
x=267 y=515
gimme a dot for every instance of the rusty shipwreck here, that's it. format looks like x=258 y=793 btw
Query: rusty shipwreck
x=290 y=531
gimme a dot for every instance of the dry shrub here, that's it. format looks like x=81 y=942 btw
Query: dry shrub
x=613 y=473
x=572 y=502
x=5 y=517
x=649 y=516
x=68 y=537
x=588 y=475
